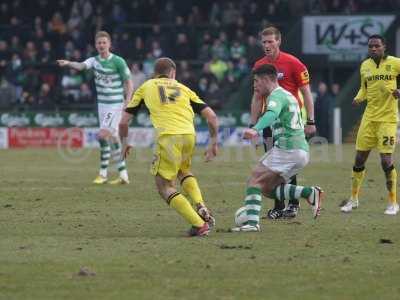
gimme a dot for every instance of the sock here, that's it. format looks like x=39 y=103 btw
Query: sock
x=289 y=192
x=178 y=202
x=104 y=157
x=253 y=205
x=357 y=177
x=391 y=183
x=120 y=163
x=293 y=180
x=191 y=187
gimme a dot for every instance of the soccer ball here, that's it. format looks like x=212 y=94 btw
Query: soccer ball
x=241 y=216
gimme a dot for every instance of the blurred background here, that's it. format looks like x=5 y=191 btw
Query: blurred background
x=214 y=43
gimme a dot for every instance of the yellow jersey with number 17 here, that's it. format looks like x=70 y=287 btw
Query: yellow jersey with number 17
x=171 y=105
x=378 y=81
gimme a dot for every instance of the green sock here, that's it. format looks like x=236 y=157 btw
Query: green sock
x=253 y=205
x=119 y=161
x=290 y=192
x=104 y=157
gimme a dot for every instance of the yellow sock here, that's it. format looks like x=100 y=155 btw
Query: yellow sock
x=191 y=187
x=357 y=177
x=178 y=202
x=391 y=184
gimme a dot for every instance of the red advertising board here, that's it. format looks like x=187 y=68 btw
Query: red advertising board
x=45 y=137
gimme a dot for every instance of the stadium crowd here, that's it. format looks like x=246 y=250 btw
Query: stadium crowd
x=215 y=43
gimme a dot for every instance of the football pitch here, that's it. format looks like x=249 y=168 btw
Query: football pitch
x=62 y=237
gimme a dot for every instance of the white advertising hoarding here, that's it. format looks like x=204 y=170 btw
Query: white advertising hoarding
x=342 y=34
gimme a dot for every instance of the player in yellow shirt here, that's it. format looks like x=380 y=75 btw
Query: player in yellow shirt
x=379 y=123
x=172 y=106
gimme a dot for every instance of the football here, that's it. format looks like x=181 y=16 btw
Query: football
x=241 y=216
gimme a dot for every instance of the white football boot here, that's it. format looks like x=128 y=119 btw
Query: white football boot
x=392 y=209
x=247 y=228
x=315 y=200
x=348 y=207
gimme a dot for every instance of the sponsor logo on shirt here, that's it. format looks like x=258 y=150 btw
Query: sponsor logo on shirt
x=305 y=77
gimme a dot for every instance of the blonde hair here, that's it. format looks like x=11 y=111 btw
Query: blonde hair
x=271 y=30
x=101 y=34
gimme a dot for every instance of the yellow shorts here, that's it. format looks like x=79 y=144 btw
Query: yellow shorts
x=380 y=135
x=173 y=153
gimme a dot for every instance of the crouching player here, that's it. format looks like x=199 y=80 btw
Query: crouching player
x=172 y=106
x=286 y=158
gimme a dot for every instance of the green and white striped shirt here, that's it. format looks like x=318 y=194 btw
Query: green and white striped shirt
x=109 y=75
x=288 y=128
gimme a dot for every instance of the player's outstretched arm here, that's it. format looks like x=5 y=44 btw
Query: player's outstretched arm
x=309 y=105
x=212 y=121
x=71 y=64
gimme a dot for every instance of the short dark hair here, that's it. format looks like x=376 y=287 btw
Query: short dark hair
x=266 y=69
x=163 y=66
x=379 y=37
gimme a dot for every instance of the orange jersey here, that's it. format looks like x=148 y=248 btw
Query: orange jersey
x=292 y=73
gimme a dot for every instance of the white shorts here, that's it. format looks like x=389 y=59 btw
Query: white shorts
x=109 y=118
x=285 y=162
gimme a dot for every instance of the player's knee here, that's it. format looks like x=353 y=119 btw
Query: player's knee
x=358 y=168
x=387 y=166
x=103 y=134
x=254 y=181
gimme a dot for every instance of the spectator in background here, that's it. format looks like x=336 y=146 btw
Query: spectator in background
x=70 y=83
x=14 y=74
x=237 y=51
x=156 y=50
x=5 y=53
x=218 y=67
x=148 y=65
x=138 y=77
x=86 y=94
x=15 y=44
x=4 y=13
x=138 y=52
x=30 y=55
x=323 y=111
x=335 y=89
x=186 y=75
x=57 y=25
x=183 y=50
x=7 y=92
x=69 y=49
x=46 y=54
x=168 y=15
x=230 y=14
x=45 y=98
x=253 y=49
x=219 y=50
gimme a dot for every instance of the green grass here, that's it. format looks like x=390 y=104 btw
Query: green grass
x=53 y=221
